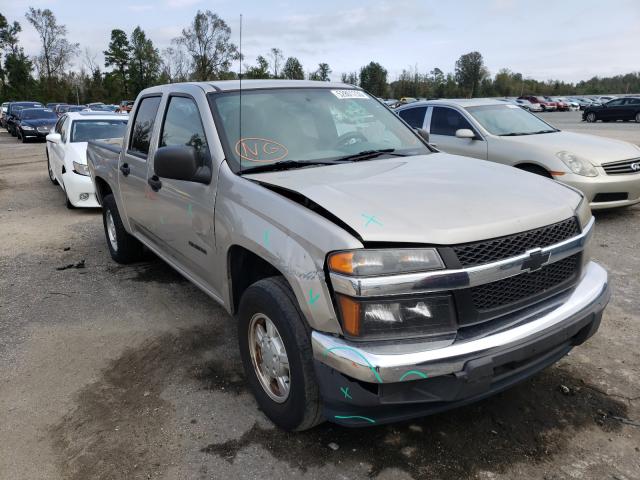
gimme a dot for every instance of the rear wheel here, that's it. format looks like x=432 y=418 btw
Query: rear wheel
x=275 y=346
x=123 y=247
x=638 y=117
x=591 y=117
x=52 y=176
x=22 y=137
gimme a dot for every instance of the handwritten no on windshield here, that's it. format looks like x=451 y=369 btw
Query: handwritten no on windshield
x=256 y=149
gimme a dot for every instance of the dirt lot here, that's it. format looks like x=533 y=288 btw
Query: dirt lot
x=112 y=372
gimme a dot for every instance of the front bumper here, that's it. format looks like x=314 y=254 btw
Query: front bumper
x=75 y=185
x=605 y=185
x=364 y=384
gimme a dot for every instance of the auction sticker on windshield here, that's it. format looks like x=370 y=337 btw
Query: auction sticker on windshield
x=344 y=94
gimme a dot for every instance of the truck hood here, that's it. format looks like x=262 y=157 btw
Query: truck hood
x=597 y=150
x=436 y=199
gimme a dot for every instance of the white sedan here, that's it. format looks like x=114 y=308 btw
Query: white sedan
x=607 y=171
x=67 y=152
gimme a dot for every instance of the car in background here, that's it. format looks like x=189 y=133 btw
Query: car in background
x=570 y=104
x=11 y=111
x=546 y=105
x=582 y=102
x=125 y=106
x=625 y=109
x=60 y=109
x=527 y=105
x=70 y=108
x=604 y=99
x=67 y=152
x=606 y=171
x=3 y=114
x=53 y=105
x=560 y=105
x=34 y=123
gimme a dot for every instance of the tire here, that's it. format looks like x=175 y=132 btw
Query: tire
x=535 y=169
x=272 y=299
x=123 y=247
x=52 y=176
x=591 y=117
x=22 y=137
x=638 y=117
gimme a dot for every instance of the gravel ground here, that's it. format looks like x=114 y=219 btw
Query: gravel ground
x=130 y=372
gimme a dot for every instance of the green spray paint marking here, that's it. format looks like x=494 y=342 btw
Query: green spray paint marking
x=265 y=238
x=345 y=392
x=413 y=372
x=358 y=417
x=373 y=370
x=313 y=299
x=371 y=219
x=190 y=210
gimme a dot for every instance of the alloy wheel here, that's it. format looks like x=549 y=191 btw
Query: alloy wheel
x=111 y=231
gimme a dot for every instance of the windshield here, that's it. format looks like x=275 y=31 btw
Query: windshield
x=308 y=125
x=85 y=130
x=30 y=114
x=509 y=120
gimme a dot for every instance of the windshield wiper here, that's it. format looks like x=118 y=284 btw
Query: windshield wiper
x=517 y=134
x=369 y=154
x=283 y=165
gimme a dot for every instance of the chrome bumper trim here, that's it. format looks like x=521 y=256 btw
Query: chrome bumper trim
x=439 y=280
x=406 y=362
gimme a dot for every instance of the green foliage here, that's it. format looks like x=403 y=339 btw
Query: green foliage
x=261 y=70
x=144 y=66
x=470 y=72
x=118 y=55
x=293 y=69
x=322 y=73
x=373 y=78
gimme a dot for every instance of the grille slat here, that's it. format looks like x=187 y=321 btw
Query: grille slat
x=496 y=249
x=621 y=167
x=515 y=289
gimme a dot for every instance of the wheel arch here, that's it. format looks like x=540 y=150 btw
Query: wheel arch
x=534 y=167
x=102 y=188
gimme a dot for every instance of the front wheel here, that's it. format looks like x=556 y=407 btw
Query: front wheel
x=275 y=346
x=591 y=117
x=638 y=117
x=123 y=247
x=52 y=176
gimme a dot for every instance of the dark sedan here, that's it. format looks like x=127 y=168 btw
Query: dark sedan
x=35 y=123
x=625 y=109
x=12 y=108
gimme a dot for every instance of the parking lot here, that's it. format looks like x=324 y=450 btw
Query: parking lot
x=127 y=372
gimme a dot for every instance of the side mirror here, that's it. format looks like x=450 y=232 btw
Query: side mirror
x=54 y=138
x=423 y=133
x=465 y=133
x=182 y=162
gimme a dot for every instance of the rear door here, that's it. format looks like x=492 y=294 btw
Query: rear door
x=444 y=122
x=613 y=111
x=132 y=173
x=414 y=116
x=183 y=210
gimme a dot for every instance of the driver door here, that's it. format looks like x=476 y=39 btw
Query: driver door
x=444 y=122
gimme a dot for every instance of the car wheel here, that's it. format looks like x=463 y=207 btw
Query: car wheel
x=638 y=117
x=123 y=247
x=276 y=353
x=591 y=117
x=52 y=175
x=22 y=137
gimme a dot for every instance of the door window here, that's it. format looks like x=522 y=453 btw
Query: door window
x=445 y=121
x=615 y=103
x=414 y=116
x=143 y=126
x=64 y=129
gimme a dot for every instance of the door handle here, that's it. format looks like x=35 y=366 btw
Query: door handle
x=124 y=168
x=155 y=183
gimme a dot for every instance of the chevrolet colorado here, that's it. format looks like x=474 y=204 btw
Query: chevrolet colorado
x=372 y=278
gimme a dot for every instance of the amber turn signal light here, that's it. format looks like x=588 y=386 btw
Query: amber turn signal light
x=341 y=262
x=350 y=310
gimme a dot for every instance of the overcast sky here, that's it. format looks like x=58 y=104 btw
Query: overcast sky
x=568 y=40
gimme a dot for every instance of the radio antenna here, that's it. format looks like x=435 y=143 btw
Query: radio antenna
x=240 y=144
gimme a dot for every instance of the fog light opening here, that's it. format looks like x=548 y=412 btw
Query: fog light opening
x=84 y=196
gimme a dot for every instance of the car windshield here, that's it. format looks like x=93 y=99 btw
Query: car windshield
x=307 y=125
x=85 y=130
x=39 y=113
x=509 y=120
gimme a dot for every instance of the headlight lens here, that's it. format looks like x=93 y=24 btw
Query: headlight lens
x=80 y=169
x=26 y=127
x=364 y=263
x=373 y=319
x=577 y=165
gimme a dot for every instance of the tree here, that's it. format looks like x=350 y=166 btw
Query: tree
x=261 y=70
x=350 y=78
x=276 y=61
x=57 y=51
x=207 y=40
x=118 y=55
x=322 y=73
x=293 y=69
x=373 y=78
x=15 y=67
x=145 y=61
x=470 y=71
x=174 y=64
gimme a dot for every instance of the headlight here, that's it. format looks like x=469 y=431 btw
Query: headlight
x=364 y=263
x=26 y=127
x=577 y=165
x=80 y=169
x=371 y=319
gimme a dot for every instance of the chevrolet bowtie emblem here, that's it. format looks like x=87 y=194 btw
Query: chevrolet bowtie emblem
x=537 y=259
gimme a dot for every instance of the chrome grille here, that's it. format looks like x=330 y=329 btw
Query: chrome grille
x=623 y=166
x=496 y=249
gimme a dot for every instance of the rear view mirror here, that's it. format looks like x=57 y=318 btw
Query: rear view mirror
x=54 y=138
x=465 y=133
x=182 y=162
x=423 y=133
